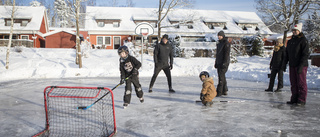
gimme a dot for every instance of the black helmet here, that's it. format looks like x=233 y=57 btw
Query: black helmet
x=204 y=73
x=123 y=49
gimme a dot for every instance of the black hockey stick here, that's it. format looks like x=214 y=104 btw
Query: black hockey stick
x=85 y=108
x=235 y=101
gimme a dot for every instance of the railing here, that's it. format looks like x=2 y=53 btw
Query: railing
x=17 y=42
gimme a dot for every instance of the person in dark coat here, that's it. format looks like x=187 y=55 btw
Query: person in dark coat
x=276 y=64
x=297 y=54
x=163 y=53
x=129 y=69
x=222 y=63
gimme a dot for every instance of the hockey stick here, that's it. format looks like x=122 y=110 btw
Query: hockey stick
x=226 y=101
x=85 y=108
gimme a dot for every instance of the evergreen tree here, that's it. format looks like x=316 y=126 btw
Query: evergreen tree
x=312 y=31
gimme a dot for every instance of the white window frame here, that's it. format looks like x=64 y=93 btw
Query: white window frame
x=104 y=40
x=101 y=24
x=8 y=22
x=116 y=24
x=114 y=40
x=24 y=36
x=24 y=23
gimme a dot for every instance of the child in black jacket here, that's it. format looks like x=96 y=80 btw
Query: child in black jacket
x=129 y=66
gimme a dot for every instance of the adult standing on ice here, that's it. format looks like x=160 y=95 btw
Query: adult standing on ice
x=297 y=53
x=276 y=66
x=222 y=63
x=162 y=54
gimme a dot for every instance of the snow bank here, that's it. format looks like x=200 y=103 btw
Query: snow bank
x=60 y=63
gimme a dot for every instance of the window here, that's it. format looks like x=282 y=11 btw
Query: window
x=210 y=26
x=116 y=24
x=104 y=40
x=24 y=23
x=107 y=40
x=24 y=37
x=8 y=23
x=257 y=29
x=225 y=27
x=154 y=24
x=99 y=40
x=190 y=27
x=244 y=28
x=101 y=24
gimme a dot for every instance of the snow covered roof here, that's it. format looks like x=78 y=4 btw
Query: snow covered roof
x=277 y=36
x=198 y=17
x=34 y=14
x=57 y=31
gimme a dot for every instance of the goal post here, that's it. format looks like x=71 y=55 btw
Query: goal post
x=63 y=118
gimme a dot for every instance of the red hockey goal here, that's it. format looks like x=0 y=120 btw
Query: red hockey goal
x=63 y=118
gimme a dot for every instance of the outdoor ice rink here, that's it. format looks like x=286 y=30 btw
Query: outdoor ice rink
x=167 y=114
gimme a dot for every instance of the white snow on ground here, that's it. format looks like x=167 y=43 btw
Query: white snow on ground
x=162 y=114
x=60 y=63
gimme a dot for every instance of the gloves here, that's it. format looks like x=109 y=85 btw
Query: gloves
x=170 y=67
x=201 y=96
x=135 y=72
x=122 y=81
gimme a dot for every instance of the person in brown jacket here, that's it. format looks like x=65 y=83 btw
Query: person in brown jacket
x=208 y=91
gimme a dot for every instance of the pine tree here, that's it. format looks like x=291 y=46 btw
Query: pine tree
x=63 y=11
x=312 y=31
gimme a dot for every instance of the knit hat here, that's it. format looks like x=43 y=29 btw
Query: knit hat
x=280 y=40
x=297 y=27
x=165 y=36
x=221 y=33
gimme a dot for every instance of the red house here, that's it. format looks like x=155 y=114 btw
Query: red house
x=62 y=38
x=29 y=24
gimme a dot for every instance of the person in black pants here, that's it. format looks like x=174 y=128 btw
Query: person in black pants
x=276 y=64
x=222 y=63
x=162 y=54
x=129 y=69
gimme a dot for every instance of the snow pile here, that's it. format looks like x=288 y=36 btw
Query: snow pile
x=60 y=63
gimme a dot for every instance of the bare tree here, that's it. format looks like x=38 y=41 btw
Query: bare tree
x=11 y=31
x=130 y=3
x=76 y=4
x=283 y=12
x=165 y=6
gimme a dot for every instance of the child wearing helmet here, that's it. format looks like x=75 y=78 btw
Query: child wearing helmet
x=129 y=66
x=208 y=91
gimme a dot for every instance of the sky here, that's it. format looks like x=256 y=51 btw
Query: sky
x=226 y=5
x=229 y=5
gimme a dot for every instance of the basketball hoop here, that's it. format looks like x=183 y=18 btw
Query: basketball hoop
x=145 y=35
x=143 y=29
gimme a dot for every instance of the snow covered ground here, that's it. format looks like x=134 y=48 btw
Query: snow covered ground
x=60 y=63
x=162 y=113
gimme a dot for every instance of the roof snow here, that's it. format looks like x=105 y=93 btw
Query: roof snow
x=22 y=12
x=129 y=14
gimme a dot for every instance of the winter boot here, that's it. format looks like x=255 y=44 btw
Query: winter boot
x=125 y=105
x=278 y=90
x=171 y=90
x=141 y=100
x=209 y=104
x=268 y=90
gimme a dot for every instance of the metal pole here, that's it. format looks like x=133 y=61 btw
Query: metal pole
x=142 y=49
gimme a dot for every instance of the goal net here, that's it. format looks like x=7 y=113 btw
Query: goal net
x=63 y=118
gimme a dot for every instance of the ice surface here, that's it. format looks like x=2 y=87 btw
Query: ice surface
x=171 y=114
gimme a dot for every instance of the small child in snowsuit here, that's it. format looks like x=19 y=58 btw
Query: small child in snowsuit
x=129 y=66
x=208 y=91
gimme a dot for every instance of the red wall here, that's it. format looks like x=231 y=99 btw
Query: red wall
x=61 y=40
